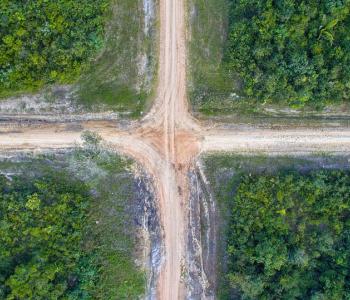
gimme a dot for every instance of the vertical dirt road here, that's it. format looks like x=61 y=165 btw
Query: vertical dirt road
x=170 y=119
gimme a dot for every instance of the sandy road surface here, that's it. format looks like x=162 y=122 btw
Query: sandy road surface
x=168 y=140
x=289 y=141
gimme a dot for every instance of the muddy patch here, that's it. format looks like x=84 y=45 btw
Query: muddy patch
x=201 y=254
x=150 y=247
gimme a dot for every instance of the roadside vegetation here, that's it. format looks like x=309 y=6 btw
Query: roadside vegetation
x=103 y=53
x=209 y=84
x=291 y=54
x=284 y=225
x=66 y=228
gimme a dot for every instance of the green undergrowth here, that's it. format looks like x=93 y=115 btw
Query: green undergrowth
x=67 y=228
x=281 y=221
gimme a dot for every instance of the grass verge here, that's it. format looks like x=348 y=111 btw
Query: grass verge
x=123 y=74
x=209 y=83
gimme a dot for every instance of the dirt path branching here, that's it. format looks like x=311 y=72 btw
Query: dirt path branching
x=167 y=141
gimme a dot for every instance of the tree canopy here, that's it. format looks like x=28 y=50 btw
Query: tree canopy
x=41 y=233
x=47 y=41
x=289 y=236
x=68 y=227
x=294 y=51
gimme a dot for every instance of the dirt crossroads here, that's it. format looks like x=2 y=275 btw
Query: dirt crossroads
x=168 y=140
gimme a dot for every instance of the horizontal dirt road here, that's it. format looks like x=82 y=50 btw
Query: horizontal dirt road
x=168 y=140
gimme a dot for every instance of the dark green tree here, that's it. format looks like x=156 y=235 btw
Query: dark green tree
x=291 y=51
x=41 y=234
x=289 y=236
x=47 y=41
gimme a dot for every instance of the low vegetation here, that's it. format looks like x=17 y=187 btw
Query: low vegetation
x=66 y=228
x=210 y=85
x=123 y=74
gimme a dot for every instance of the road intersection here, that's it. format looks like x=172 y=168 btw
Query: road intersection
x=168 y=140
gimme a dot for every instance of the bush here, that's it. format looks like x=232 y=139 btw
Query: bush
x=67 y=227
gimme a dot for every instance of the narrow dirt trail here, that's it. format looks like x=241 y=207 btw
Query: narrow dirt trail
x=168 y=140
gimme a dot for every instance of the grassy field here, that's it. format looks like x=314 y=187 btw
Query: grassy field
x=209 y=84
x=225 y=174
x=123 y=75
x=109 y=230
x=213 y=90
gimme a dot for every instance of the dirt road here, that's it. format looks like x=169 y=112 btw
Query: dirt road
x=168 y=140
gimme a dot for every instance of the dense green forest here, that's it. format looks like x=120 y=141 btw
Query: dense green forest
x=289 y=236
x=47 y=41
x=295 y=52
x=41 y=233
x=62 y=237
